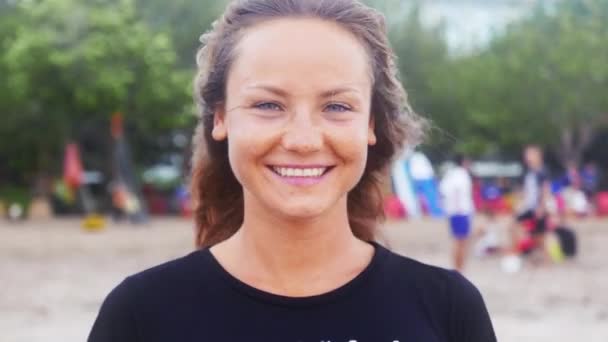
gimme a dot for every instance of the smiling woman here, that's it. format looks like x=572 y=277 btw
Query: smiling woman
x=301 y=112
x=339 y=63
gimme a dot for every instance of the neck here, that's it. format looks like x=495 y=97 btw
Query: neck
x=295 y=245
x=292 y=256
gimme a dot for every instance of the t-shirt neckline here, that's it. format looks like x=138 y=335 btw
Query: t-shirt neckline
x=257 y=294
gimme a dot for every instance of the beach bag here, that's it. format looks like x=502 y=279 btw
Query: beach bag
x=567 y=241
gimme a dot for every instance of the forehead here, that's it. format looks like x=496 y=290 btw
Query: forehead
x=301 y=52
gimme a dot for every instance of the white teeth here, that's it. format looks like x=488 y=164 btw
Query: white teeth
x=293 y=172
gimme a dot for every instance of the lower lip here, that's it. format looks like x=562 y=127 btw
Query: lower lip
x=301 y=181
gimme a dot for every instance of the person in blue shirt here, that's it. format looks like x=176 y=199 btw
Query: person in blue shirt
x=590 y=179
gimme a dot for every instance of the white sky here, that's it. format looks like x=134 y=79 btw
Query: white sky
x=472 y=22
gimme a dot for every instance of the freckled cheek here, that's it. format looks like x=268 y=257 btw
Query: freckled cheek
x=350 y=145
x=243 y=158
x=247 y=147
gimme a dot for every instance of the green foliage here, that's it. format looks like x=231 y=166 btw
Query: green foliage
x=183 y=20
x=67 y=65
x=543 y=81
x=69 y=62
x=11 y=194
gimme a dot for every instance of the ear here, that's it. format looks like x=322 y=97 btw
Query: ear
x=371 y=136
x=219 y=131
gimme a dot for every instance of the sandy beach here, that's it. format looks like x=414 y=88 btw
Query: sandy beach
x=54 y=276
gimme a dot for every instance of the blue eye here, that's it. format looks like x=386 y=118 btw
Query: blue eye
x=267 y=106
x=336 y=107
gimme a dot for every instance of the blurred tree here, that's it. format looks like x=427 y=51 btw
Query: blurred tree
x=184 y=20
x=544 y=81
x=67 y=63
x=422 y=51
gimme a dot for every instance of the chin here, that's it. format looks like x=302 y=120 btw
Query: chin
x=301 y=212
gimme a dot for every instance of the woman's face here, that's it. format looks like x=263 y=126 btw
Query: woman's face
x=297 y=116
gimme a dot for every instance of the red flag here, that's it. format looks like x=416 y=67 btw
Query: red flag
x=72 y=167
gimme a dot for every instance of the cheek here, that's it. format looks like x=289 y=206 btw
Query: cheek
x=350 y=143
x=246 y=146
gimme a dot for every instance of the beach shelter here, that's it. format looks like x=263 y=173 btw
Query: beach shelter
x=402 y=185
x=425 y=183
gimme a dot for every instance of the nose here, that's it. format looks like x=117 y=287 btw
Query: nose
x=302 y=134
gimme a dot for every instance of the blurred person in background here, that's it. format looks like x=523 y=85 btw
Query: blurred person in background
x=301 y=111
x=590 y=180
x=533 y=217
x=457 y=193
x=486 y=236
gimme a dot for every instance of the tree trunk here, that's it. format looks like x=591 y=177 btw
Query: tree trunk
x=574 y=140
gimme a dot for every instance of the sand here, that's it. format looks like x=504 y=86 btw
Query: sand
x=54 y=275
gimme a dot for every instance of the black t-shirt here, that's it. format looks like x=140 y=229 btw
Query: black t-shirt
x=395 y=299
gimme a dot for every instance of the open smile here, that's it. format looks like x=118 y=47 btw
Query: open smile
x=301 y=175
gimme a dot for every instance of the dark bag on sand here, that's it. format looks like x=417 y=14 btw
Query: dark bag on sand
x=567 y=241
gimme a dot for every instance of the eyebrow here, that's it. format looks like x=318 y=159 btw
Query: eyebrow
x=274 y=90
x=325 y=94
x=337 y=91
